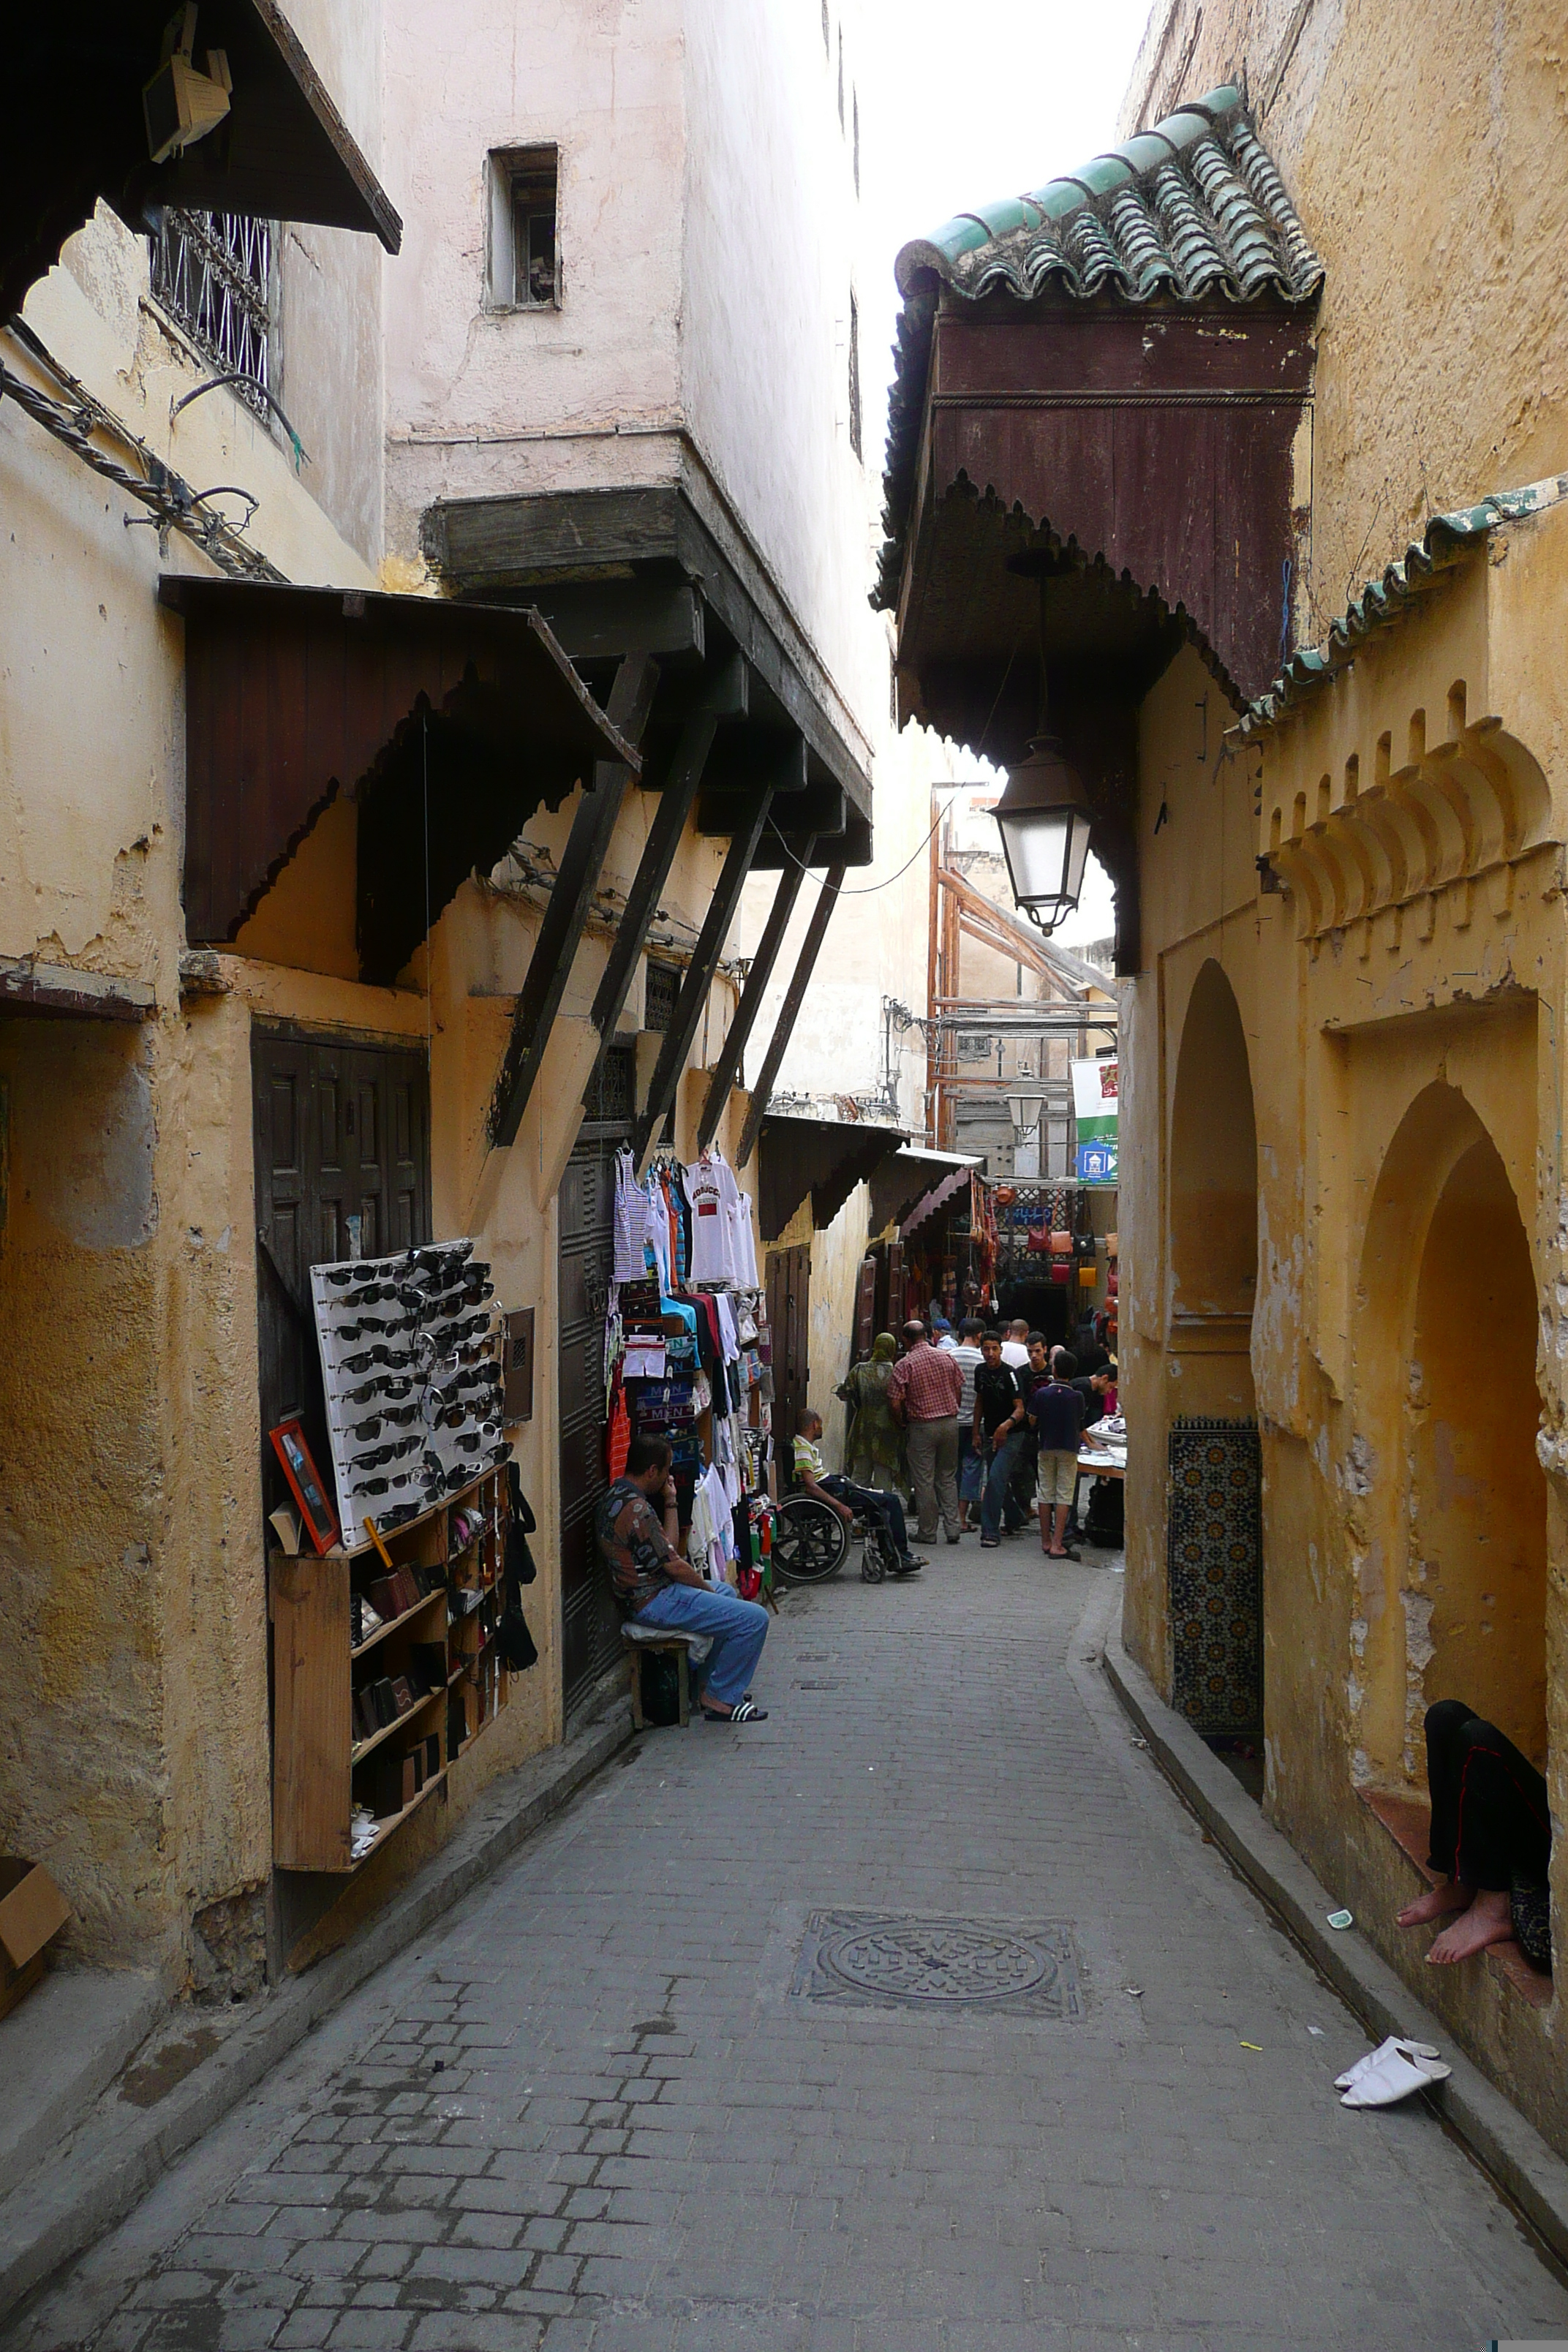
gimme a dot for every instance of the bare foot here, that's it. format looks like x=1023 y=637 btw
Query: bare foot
x=1436 y=1904
x=1486 y=1922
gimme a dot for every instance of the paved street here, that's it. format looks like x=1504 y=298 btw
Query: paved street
x=644 y=2096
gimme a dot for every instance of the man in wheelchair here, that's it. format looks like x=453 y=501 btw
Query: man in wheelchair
x=882 y=1511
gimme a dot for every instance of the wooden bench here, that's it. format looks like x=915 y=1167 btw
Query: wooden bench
x=690 y=1649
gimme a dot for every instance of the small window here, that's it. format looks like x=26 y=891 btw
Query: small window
x=524 y=265
x=658 y=1003
x=853 y=375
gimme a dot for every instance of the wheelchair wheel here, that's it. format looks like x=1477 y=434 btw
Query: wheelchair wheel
x=810 y=1541
x=873 y=1556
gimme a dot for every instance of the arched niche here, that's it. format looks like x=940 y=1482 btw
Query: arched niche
x=1214 y=1160
x=1451 y=1527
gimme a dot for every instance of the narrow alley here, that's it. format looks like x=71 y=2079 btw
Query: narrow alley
x=661 y=2084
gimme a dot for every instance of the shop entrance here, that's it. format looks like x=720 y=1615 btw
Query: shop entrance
x=590 y=1629
x=789 y=1322
x=342 y=1169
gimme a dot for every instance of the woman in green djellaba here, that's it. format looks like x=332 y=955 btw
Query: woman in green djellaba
x=873 y=1448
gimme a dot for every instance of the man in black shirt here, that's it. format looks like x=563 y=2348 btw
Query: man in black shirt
x=999 y=1435
x=1095 y=1390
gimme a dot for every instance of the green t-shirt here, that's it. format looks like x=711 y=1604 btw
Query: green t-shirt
x=807 y=1457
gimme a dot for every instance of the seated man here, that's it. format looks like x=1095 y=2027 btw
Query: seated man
x=656 y=1586
x=880 y=1508
x=1491 y=1838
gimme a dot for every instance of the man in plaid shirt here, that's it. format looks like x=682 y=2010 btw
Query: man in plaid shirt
x=924 y=1390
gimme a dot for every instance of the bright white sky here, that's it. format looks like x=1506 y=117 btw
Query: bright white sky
x=961 y=105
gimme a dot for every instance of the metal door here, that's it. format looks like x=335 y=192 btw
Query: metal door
x=342 y=1169
x=590 y=1628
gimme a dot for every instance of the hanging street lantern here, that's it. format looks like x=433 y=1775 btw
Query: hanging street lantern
x=1026 y=1111
x=1044 y=819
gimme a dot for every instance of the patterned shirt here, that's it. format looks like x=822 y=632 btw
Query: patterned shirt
x=927 y=1382
x=632 y=1538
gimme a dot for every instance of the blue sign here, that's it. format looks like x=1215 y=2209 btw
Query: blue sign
x=1097 y=1163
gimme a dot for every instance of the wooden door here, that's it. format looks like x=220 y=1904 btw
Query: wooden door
x=590 y=1626
x=342 y=1169
x=789 y=1318
x=865 y=1309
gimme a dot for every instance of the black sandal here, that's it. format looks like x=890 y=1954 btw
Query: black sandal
x=742 y=1712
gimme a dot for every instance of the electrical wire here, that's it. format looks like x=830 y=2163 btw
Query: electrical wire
x=872 y=887
x=172 y=503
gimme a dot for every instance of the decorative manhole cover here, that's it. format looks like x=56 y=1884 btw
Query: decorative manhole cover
x=883 y=1959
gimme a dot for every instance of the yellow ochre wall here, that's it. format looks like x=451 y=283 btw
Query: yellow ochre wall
x=1403 y=1019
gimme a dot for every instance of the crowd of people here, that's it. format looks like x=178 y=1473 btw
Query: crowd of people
x=988 y=1418
x=983 y=1427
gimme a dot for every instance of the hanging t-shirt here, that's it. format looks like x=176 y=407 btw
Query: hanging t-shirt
x=628 y=1260
x=742 y=1236
x=710 y=1257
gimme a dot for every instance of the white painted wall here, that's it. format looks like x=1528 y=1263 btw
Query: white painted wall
x=708 y=234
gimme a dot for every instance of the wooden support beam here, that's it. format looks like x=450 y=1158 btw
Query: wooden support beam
x=727 y=1069
x=701 y=970
x=571 y=903
x=789 y=1010
x=675 y=805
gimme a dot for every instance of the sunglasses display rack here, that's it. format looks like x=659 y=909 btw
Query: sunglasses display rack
x=411 y=1363
x=383 y=1675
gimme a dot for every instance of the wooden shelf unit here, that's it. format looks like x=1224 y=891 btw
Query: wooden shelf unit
x=320 y=1768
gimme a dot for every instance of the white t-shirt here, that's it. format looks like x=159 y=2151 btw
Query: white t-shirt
x=1013 y=1353
x=969 y=1358
x=712 y=1258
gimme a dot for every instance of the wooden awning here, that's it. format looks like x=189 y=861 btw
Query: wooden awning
x=75 y=131
x=825 y=1156
x=907 y=1177
x=413 y=706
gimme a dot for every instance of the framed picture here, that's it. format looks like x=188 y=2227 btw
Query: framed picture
x=305 y=1482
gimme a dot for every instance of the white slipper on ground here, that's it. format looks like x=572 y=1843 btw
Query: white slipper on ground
x=1413 y=2050
x=1393 y=2078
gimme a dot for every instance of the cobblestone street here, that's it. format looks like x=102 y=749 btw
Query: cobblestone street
x=638 y=2097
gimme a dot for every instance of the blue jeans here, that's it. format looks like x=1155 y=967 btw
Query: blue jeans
x=878 y=1506
x=1004 y=1462
x=736 y=1628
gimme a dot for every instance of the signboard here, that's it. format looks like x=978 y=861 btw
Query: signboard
x=1095 y=1100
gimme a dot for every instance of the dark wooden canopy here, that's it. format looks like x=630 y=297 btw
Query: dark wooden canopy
x=825 y=1156
x=409 y=704
x=1098 y=387
x=75 y=131
x=905 y=1178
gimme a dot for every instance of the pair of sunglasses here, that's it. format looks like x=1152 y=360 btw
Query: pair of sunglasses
x=370 y=1295
x=443 y=1257
x=386 y=1453
x=373 y=1323
x=487 y=1435
x=379 y=1388
x=368 y=1357
x=386 y=1486
x=371 y=1428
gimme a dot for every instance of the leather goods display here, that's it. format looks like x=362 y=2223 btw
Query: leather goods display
x=1061 y=1245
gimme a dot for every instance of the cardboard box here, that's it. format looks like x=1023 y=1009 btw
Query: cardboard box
x=32 y=1909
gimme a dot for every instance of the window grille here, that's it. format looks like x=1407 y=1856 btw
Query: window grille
x=611 y=1097
x=213 y=273
x=658 y=1004
x=972 y=1046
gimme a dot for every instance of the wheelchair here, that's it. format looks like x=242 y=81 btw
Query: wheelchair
x=811 y=1543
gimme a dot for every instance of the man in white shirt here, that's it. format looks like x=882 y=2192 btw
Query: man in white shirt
x=971 y=1467
x=1016 y=1346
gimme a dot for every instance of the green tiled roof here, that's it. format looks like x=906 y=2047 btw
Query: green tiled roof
x=1191 y=209
x=1445 y=539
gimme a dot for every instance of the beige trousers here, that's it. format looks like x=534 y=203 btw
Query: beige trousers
x=933 y=1467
